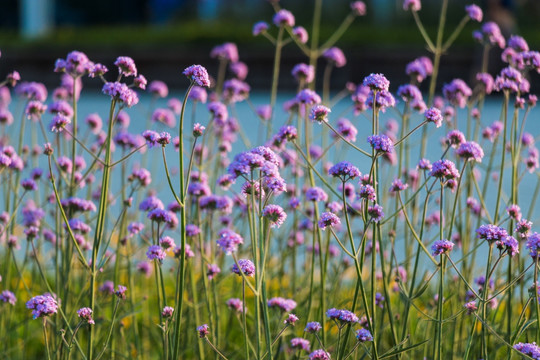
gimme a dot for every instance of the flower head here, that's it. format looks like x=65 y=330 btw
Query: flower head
x=434 y=115
x=42 y=305
x=246 y=266
x=85 y=313
x=203 y=331
x=319 y=113
x=275 y=215
x=381 y=143
x=198 y=74
x=284 y=18
x=441 y=246
x=474 y=12
x=364 y=335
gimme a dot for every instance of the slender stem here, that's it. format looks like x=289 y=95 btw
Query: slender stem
x=46 y=339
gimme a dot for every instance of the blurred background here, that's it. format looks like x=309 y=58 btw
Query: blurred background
x=164 y=36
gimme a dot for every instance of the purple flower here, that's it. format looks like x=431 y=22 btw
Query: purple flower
x=533 y=245
x=487 y=81
x=29 y=185
x=203 y=331
x=301 y=34
x=346 y=129
x=319 y=354
x=444 y=169
x=212 y=270
x=164 y=116
x=167 y=312
x=316 y=194
x=226 y=51
x=491 y=233
x=509 y=244
x=344 y=170
x=457 y=92
x=413 y=5
x=313 y=327
x=367 y=192
x=328 y=219
x=42 y=305
x=235 y=90
x=299 y=343
x=470 y=307
x=358 y=8
x=529 y=349
x=441 y=246
x=259 y=28
x=8 y=297
x=523 y=227
x=198 y=74
x=140 y=82
x=229 y=240
x=121 y=292
x=303 y=73
x=121 y=92
x=291 y=319
x=235 y=304
x=284 y=18
x=275 y=215
x=376 y=82
x=126 y=66
x=474 y=12
x=85 y=313
x=381 y=143
x=518 y=43
x=158 y=88
x=156 y=252
x=285 y=305
x=246 y=266
x=470 y=150
x=308 y=97
x=319 y=113
x=376 y=212
x=398 y=185
x=364 y=335
x=335 y=56
x=434 y=115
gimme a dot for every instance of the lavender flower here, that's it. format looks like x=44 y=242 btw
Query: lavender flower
x=413 y=5
x=303 y=73
x=235 y=304
x=121 y=292
x=328 y=219
x=398 y=185
x=126 y=66
x=301 y=34
x=291 y=319
x=167 y=312
x=316 y=194
x=474 y=12
x=491 y=233
x=358 y=8
x=285 y=305
x=335 y=56
x=198 y=74
x=313 y=327
x=42 y=305
x=533 y=245
x=203 y=331
x=283 y=18
x=344 y=170
x=260 y=28
x=319 y=113
x=529 y=349
x=246 y=266
x=381 y=143
x=367 y=192
x=434 y=115
x=300 y=343
x=364 y=335
x=8 y=297
x=319 y=354
x=85 y=313
x=444 y=169
x=470 y=307
x=376 y=212
x=275 y=215
x=440 y=247
x=212 y=270
x=376 y=82
x=229 y=240
x=156 y=252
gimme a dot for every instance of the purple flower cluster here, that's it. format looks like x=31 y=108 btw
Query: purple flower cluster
x=85 y=314
x=345 y=171
x=533 y=245
x=457 y=92
x=246 y=266
x=319 y=354
x=300 y=343
x=42 y=305
x=376 y=82
x=381 y=143
x=344 y=316
x=156 y=252
x=319 y=113
x=121 y=92
x=229 y=240
x=275 y=215
x=529 y=349
x=328 y=219
x=335 y=56
x=470 y=150
x=364 y=335
x=198 y=75
x=441 y=246
x=434 y=115
x=285 y=305
x=491 y=233
x=444 y=169
x=316 y=194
